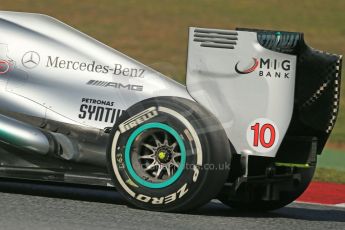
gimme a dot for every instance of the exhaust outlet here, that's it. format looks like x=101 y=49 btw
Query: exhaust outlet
x=78 y=147
x=23 y=136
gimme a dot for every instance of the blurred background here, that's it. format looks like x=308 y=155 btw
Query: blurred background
x=155 y=32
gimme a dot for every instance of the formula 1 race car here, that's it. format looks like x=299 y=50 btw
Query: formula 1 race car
x=257 y=109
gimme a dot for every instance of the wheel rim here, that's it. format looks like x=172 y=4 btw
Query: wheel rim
x=155 y=155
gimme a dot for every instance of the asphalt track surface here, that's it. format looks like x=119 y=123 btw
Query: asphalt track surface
x=38 y=206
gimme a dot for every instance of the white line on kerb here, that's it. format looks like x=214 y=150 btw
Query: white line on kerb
x=341 y=205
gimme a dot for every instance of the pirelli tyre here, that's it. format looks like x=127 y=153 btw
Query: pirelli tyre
x=168 y=154
x=286 y=196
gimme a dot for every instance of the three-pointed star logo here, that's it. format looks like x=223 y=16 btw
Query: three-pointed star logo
x=30 y=59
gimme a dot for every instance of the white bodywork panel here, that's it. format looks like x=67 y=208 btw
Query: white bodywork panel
x=237 y=99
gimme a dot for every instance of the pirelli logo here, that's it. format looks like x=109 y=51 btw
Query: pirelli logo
x=138 y=119
x=115 y=85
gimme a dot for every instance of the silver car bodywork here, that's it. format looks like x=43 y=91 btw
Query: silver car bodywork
x=67 y=63
x=65 y=88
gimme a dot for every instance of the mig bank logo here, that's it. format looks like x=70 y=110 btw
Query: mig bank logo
x=265 y=67
x=246 y=70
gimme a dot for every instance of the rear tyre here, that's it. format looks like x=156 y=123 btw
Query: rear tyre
x=168 y=154
x=286 y=197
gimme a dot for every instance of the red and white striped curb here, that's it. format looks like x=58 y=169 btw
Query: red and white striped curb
x=324 y=193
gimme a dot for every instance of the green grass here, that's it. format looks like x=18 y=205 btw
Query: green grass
x=329 y=175
x=155 y=32
x=331 y=167
x=332 y=159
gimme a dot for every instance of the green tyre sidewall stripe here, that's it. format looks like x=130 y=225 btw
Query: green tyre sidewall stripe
x=128 y=164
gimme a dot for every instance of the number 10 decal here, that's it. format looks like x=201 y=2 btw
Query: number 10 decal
x=262 y=135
